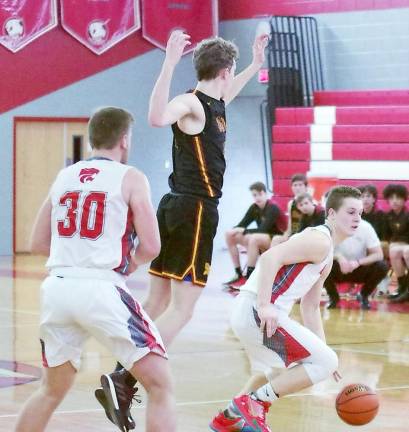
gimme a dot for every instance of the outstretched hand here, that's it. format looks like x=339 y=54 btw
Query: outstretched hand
x=177 y=43
x=260 y=43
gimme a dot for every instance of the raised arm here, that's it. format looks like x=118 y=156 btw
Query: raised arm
x=161 y=111
x=244 y=77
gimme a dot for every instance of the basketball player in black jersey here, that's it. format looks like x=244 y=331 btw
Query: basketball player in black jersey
x=188 y=215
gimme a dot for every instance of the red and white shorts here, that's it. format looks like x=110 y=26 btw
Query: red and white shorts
x=292 y=343
x=77 y=303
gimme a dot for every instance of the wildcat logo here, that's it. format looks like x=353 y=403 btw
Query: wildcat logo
x=206 y=270
x=87 y=175
x=221 y=124
x=98 y=32
x=14 y=28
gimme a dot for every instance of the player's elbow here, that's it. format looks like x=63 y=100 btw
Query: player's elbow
x=155 y=120
x=152 y=250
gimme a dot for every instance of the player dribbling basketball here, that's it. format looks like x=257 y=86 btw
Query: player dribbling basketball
x=295 y=269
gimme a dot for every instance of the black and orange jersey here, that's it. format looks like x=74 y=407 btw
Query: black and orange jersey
x=198 y=160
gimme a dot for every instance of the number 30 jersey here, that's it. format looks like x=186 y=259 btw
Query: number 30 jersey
x=91 y=224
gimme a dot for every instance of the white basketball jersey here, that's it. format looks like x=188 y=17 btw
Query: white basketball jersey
x=292 y=281
x=91 y=225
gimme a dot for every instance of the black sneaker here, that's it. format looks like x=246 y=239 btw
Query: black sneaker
x=100 y=396
x=363 y=301
x=117 y=399
x=332 y=304
x=401 y=298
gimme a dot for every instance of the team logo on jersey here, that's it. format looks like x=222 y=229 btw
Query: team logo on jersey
x=221 y=124
x=87 y=175
x=206 y=270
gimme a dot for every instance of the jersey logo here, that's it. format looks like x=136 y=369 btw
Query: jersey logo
x=87 y=175
x=221 y=124
x=206 y=270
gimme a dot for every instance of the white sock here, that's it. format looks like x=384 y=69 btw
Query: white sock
x=266 y=393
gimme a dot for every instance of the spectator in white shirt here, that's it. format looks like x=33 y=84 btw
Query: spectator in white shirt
x=358 y=259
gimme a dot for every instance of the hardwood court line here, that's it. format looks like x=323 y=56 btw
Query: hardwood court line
x=193 y=403
x=357 y=351
x=19 y=311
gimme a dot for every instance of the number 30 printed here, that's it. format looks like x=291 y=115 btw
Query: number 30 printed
x=90 y=216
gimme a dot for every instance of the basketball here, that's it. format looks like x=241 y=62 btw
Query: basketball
x=357 y=404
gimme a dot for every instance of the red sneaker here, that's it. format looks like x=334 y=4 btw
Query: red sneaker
x=253 y=412
x=221 y=423
x=239 y=283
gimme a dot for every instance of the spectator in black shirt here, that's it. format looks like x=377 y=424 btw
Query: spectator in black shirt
x=265 y=215
x=299 y=186
x=312 y=214
x=396 y=232
x=373 y=215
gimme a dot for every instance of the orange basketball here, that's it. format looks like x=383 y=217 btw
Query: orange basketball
x=357 y=404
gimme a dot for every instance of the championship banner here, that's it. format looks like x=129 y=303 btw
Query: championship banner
x=22 y=21
x=100 y=24
x=199 y=19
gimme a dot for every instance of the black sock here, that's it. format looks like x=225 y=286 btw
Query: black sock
x=130 y=380
x=402 y=283
x=238 y=271
x=118 y=367
x=249 y=271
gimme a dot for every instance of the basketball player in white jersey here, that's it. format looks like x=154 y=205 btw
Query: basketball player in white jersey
x=295 y=269
x=87 y=226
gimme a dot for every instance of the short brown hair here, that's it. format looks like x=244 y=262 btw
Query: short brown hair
x=107 y=126
x=299 y=178
x=212 y=55
x=302 y=197
x=258 y=186
x=369 y=188
x=399 y=190
x=337 y=195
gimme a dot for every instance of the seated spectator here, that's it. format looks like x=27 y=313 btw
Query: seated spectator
x=299 y=185
x=312 y=214
x=358 y=259
x=396 y=232
x=376 y=218
x=266 y=216
x=371 y=214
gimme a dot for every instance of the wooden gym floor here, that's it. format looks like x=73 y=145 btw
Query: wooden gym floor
x=208 y=363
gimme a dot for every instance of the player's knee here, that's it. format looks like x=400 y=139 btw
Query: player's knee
x=323 y=368
x=53 y=395
x=328 y=363
x=158 y=382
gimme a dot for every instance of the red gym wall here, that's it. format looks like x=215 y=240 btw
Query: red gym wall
x=242 y=9
x=56 y=59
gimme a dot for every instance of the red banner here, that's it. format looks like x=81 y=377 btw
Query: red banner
x=197 y=18
x=100 y=24
x=22 y=21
